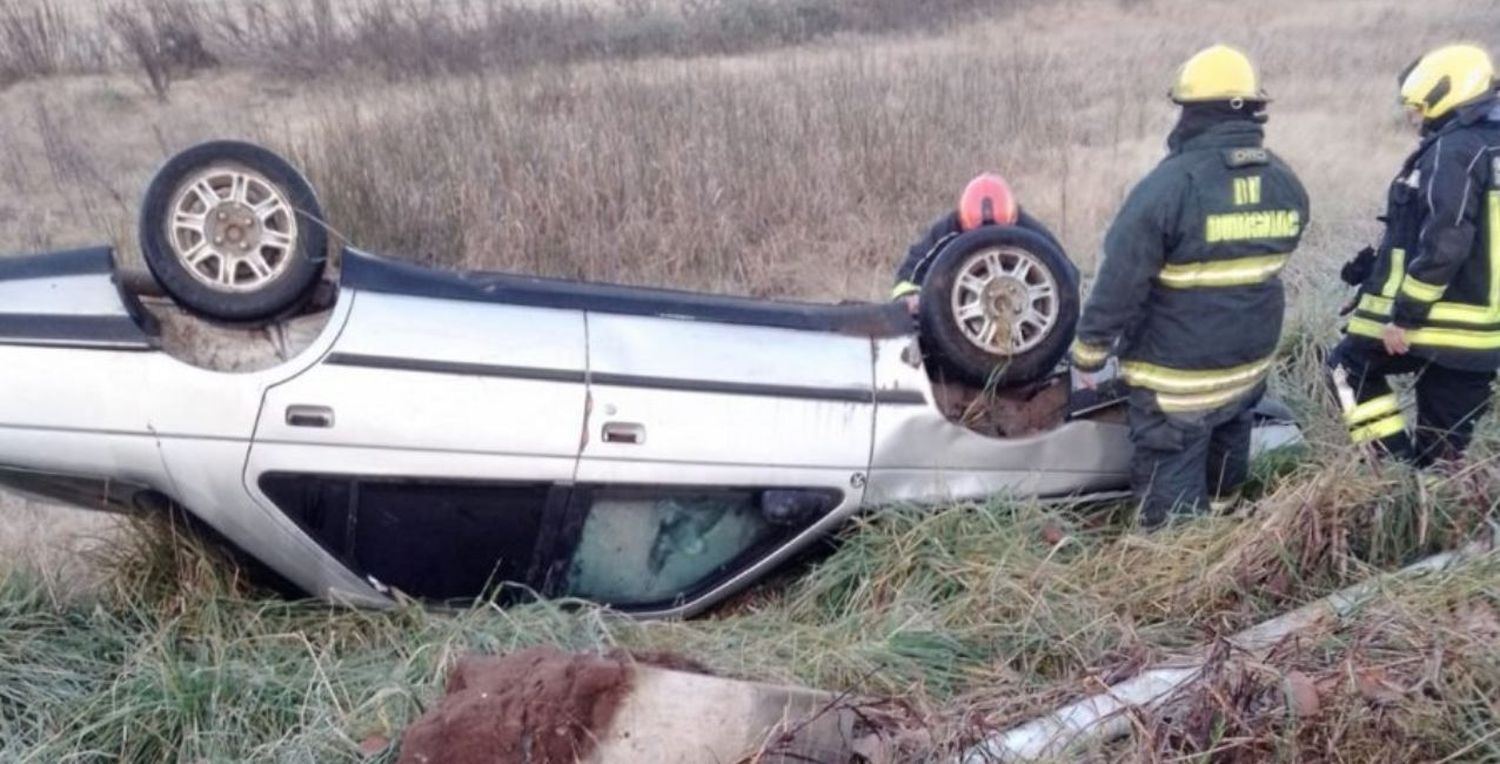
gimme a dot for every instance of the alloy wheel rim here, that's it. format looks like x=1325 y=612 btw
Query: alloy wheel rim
x=1005 y=301
x=232 y=228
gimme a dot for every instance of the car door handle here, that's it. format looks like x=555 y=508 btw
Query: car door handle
x=309 y=416
x=628 y=433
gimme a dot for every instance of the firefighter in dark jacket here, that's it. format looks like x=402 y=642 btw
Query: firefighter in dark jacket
x=1189 y=296
x=1429 y=297
x=986 y=200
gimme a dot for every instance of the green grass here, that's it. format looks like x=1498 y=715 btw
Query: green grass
x=974 y=613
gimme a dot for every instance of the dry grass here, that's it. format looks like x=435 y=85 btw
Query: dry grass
x=42 y=39
x=799 y=173
x=52 y=542
x=1413 y=677
x=730 y=175
x=405 y=39
x=977 y=617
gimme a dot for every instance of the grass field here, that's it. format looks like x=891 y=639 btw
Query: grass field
x=760 y=147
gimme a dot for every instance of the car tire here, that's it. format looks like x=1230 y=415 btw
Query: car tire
x=233 y=232
x=999 y=307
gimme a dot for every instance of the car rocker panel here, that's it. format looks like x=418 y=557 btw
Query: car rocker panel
x=69 y=299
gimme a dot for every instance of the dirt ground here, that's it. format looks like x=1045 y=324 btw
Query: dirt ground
x=540 y=705
x=544 y=706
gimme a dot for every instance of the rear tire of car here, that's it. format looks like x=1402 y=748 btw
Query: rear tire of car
x=999 y=307
x=233 y=233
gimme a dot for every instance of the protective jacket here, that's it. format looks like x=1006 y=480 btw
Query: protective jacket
x=919 y=258
x=1189 y=295
x=1437 y=270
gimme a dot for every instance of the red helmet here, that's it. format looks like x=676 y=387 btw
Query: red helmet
x=987 y=200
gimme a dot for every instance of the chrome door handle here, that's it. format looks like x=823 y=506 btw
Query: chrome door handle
x=628 y=433
x=309 y=416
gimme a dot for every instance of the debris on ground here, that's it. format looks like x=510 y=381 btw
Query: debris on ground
x=1379 y=685
x=539 y=705
x=542 y=706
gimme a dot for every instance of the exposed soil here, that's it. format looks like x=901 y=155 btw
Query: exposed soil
x=217 y=347
x=539 y=706
x=1004 y=413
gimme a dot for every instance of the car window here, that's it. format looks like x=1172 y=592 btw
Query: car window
x=447 y=541
x=639 y=548
x=432 y=539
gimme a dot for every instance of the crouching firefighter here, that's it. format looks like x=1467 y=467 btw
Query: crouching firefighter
x=1189 y=296
x=1429 y=297
x=986 y=200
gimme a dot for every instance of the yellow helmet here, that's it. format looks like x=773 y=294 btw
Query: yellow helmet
x=1446 y=79
x=1220 y=73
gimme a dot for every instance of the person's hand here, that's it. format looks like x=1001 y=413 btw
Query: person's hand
x=912 y=302
x=1395 y=340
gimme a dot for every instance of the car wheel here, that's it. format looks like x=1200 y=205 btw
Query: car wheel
x=233 y=232
x=999 y=306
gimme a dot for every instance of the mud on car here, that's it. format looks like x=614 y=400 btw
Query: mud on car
x=443 y=434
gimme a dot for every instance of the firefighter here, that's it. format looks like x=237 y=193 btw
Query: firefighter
x=1188 y=296
x=1429 y=296
x=986 y=200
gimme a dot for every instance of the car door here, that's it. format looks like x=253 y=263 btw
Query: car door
x=713 y=451
x=425 y=449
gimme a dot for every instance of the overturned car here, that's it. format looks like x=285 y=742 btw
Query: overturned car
x=442 y=434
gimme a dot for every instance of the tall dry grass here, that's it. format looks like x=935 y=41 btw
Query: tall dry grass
x=41 y=39
x=800 y=173
x=404 y=39
x=807 y=172
x=800 y=177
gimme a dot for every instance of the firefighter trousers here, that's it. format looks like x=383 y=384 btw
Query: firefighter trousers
x=1450 y=402
x=1187 y=463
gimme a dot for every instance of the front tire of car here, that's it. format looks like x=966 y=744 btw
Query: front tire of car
x=233 y=232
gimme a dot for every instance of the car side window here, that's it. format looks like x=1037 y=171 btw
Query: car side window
x=432 y=539
x=639 y=548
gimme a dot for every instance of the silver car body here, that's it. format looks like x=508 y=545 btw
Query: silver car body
x=436 y=379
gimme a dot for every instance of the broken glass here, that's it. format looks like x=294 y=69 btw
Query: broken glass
x=641 y=549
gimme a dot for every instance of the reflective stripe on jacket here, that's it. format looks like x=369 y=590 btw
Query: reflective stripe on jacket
x=1189 y=293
